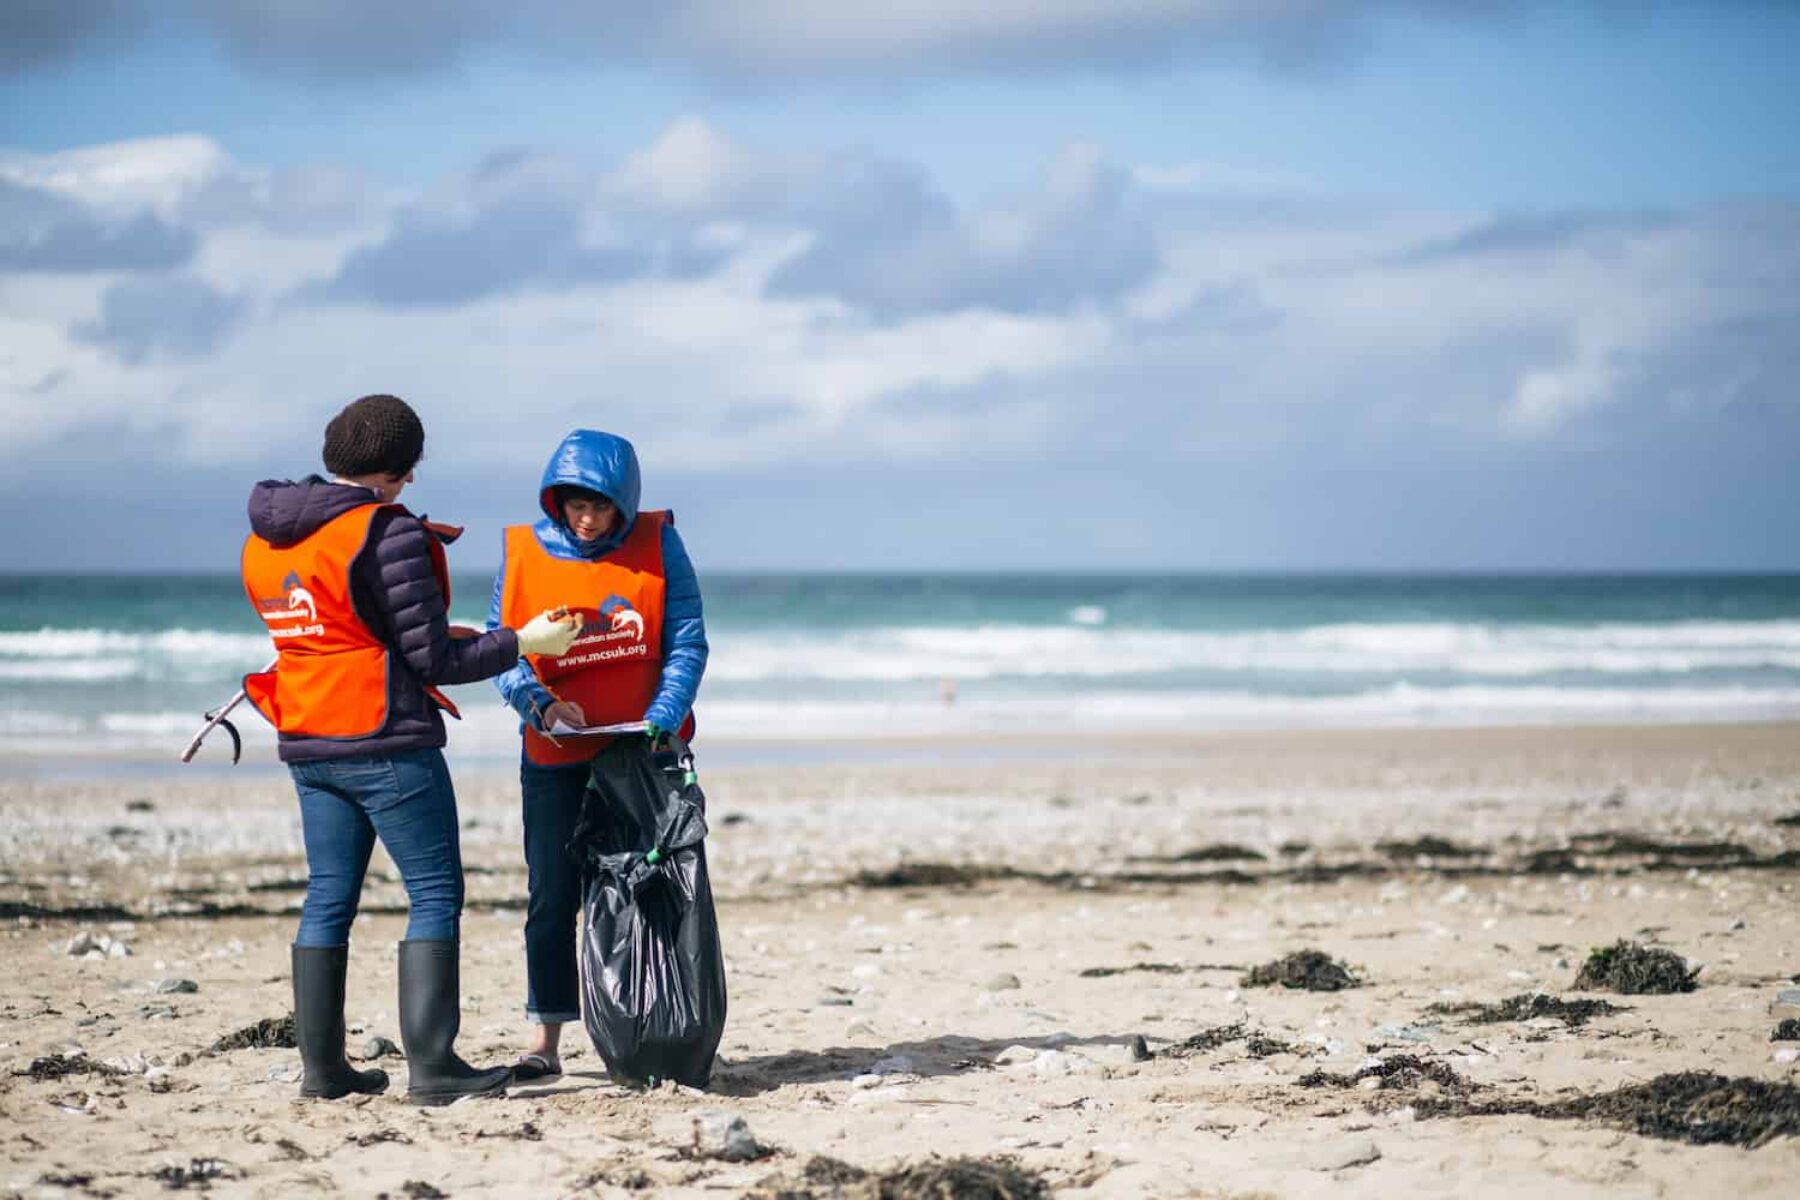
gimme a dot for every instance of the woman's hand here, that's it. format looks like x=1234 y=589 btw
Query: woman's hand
x=566 y=711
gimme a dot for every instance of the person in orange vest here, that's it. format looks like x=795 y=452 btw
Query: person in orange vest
x=640 y=657
x=353 y=589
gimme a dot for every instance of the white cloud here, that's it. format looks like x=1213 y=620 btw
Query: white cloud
x=1241 y=320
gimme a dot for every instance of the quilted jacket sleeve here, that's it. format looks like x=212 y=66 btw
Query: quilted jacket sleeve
x=683 y=637
x=409 y=608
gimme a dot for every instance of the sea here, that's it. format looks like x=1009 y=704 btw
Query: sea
x=111 y=665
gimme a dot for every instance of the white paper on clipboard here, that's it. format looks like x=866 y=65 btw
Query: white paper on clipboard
x=561 y=728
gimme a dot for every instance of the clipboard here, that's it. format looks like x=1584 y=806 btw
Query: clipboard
x=561 y=729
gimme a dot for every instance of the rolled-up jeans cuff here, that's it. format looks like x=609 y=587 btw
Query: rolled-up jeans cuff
x=552 y=1018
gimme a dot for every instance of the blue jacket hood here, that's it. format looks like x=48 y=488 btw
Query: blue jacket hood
x=599 y=462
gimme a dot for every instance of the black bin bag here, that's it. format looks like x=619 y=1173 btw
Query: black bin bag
x=652 y=972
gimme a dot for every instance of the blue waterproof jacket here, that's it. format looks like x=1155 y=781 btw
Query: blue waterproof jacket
x=606 y=463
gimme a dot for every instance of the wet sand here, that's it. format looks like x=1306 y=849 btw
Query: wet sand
x=1035 y=950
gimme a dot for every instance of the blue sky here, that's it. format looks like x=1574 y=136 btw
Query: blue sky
x=1150 y=283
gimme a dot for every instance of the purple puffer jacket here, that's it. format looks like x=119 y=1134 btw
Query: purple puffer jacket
x=397 y=596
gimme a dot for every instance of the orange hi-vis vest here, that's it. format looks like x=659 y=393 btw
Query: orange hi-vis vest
x=330 y=678
x=614 y=668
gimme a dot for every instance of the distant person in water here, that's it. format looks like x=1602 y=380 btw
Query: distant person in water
x=354 y=589
x=640 y=657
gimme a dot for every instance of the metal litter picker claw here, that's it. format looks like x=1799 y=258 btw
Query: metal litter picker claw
x=217 y=719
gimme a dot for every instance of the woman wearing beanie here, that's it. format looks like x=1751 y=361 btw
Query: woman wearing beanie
x=354 y=590
x=640 y=658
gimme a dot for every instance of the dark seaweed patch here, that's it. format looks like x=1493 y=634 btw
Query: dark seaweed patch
x=1527 y=1006
x=933 y=874
x=1552 y=862
x=1697 y=1107
x=195 y=1173
x=1331 y=872
x=270 y=1033
x=1256 y=1043
x=935 y=1179
x=1791 y=821
x=1620 y=845
x=1399 y=1071
x=1153 y=968
x=1787 y=1031
x=59 y=1066
x=1217 y=852
x=1635 y=970
x=1309 y=970
x=1428 y=846
x=1259 y=1045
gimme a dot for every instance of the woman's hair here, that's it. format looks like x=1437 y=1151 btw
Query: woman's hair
x=565 y=492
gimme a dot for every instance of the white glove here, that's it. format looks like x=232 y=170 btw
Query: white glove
x=547 y=635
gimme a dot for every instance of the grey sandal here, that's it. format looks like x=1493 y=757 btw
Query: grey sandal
x=532 y=1067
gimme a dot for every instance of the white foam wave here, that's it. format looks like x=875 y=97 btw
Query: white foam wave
x=78 y=656
x=1090 y=646
x=901 y=653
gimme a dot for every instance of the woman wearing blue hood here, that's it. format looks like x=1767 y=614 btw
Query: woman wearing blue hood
x=639 y=657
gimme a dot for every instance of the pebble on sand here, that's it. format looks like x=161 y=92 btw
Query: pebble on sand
x=1003 y=982
x=724 y=1135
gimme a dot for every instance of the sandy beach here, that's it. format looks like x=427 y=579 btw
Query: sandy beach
x=1030 y=951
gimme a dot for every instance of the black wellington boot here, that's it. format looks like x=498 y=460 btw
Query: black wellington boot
x=319 y=1025
x=430 y=1013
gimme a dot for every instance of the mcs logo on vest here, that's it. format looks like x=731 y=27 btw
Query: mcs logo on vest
x=622 y=618
x=297 y=604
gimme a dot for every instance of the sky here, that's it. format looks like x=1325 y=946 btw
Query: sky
x=1195 y=285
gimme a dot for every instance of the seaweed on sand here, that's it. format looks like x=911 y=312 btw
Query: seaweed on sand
x=1428 y=846
x=1698 y=1107
x=1153 y=968
x=1256 y=1043
x=1217 y=852
x=58 y=1066
x=1787 y=1031
x=1635 y=970
x=1625 y=844
x=1529 y=1005
x=825 y=1178
x=1399 y=1071
x=1309 y=970
x=934 y=874
x=270 y=1033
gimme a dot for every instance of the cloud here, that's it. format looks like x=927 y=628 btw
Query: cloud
x=37 y=33
x=41 y=230
x=177 y=316
x=1073 y=241
x=753 y=310
x=428 y=260
x=350 y=40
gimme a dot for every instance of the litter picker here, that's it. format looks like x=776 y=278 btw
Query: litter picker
x=217 y=719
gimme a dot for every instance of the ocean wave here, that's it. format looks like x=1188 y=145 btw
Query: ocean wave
x=902 y=653
x=205 y=645
x=1090 y=647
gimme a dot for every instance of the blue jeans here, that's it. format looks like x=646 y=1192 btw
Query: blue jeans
x=408 y=802
x=552 y=804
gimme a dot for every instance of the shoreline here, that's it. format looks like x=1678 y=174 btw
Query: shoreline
x=735 y=753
